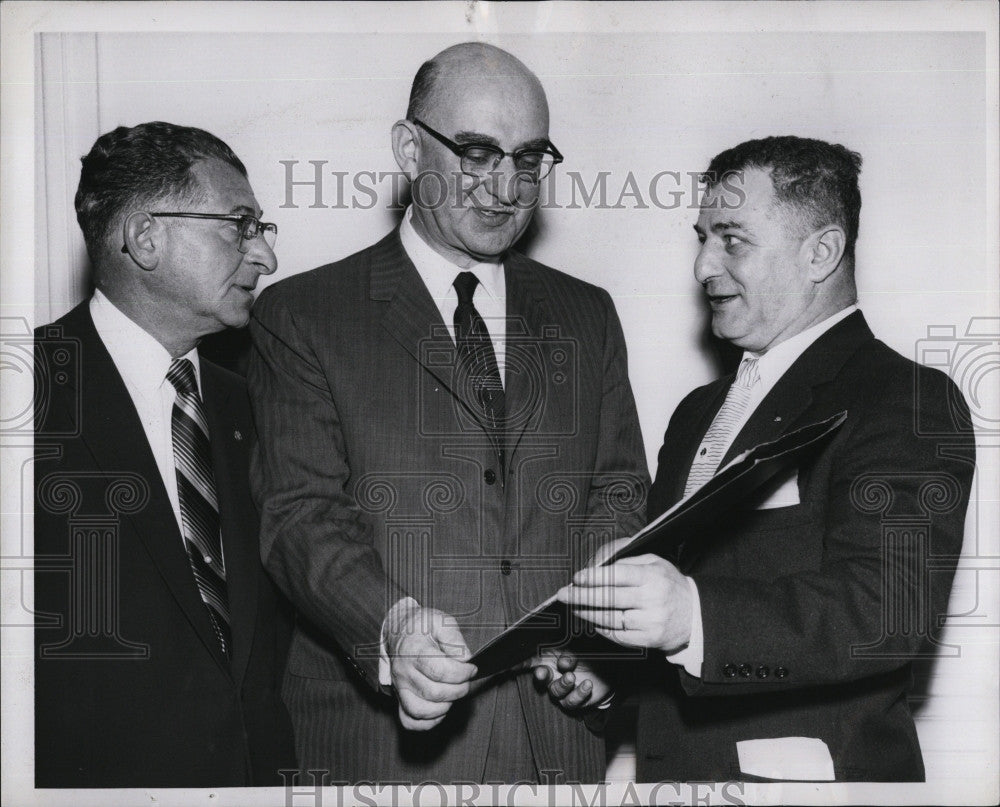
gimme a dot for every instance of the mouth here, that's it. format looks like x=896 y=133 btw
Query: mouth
x=492 y=216
x=721 y=300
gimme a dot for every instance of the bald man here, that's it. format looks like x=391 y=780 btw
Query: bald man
x=447 y=433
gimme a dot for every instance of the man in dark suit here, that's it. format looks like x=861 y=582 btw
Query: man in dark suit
x=783 y=641
x=159 y=641
x=447 y=431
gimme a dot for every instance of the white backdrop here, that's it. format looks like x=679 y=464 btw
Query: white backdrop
x=633 y=91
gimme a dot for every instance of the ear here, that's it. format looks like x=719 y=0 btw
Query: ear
x=142 y=239
x=823 y=251
x=406 y=147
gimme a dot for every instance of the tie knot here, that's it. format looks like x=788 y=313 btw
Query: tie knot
x=748 y=375
x=465 y=284
x=181 y=375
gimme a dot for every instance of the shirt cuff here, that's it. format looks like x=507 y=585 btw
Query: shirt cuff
x=394 y=615
x=692 y=654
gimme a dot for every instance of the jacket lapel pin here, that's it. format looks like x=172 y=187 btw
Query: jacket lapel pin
x=238 y=434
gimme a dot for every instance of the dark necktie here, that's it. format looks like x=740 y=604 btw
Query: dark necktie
x=196 y=492
x=476 y=361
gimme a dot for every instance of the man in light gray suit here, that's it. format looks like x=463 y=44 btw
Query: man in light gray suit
x=447 y=433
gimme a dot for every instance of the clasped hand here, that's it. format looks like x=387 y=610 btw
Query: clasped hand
x=429 y=662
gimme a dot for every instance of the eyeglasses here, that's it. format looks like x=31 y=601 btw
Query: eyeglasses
x=249 y=227
x=479 y=159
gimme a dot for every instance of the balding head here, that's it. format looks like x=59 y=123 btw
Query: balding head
x=467 y=64
x=469 y=95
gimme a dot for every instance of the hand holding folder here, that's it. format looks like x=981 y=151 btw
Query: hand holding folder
x=551 y=624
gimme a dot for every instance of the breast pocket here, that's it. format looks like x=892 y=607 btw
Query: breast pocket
x=775 y=542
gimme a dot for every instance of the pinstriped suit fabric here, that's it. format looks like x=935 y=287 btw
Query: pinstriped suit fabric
x=377 y=478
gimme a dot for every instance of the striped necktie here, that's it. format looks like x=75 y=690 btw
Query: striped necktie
x=720 y=434
x=196 y=492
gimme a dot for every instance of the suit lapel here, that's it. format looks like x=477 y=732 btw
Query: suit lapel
x=413 y=319
x=526 y=374
x=789 y=400
x=229 y=429
x=113 y=434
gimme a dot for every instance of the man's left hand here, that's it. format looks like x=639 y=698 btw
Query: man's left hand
x=636 y=602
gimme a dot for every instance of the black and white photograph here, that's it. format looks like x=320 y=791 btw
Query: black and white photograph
x=469 y=403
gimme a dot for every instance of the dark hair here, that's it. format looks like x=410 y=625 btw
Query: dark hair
x=420 y=92
x=819 y=180
x=132 y=166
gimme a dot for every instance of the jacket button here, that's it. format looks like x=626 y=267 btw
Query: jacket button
x=729 y=671
x=780 y=672
x=745 y=670
x=490 y=476
x=763 y=671
x=505 y=567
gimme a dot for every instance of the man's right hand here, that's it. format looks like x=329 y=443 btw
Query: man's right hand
x=428 y=661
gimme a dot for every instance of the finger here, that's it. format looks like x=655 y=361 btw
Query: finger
x=562 y=686
x=416 y=724
x=642 y=560
x=437 y=692
x=419 y=708
x=609 y=618
x=606 y=598
x=566 y=663
x=624 y=638
x=542 y=674
x=449 y=636
x=617 y=574
x=579 y=696
x=444 y=670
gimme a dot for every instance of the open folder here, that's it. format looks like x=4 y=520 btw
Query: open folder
x=551 y=625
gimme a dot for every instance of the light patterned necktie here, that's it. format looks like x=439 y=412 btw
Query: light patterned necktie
x=196 y=492
x=720 y=434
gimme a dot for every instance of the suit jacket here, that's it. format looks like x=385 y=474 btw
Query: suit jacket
x=813 y=612
x=131 y=688
x=376 y=480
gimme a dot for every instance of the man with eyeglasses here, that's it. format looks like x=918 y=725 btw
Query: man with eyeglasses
x=159 y=640
x=447 y=433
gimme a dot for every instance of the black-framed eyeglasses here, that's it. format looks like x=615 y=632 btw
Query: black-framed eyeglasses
x=249 y=227
x=480 y=159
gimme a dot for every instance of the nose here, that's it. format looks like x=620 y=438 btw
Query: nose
x=706 y=264
x=262 y=256
x=505 y=184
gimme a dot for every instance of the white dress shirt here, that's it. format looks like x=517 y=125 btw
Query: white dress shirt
x=771 y=365
x=438 y=274
x=142 y=363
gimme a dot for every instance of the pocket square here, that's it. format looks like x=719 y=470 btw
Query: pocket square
x=782 y=491
x=786 y=758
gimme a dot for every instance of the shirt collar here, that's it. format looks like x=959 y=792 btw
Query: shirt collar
x=141 y=360
x=438 y=273
x=773 y=364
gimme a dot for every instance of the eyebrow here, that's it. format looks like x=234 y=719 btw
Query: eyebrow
x=538 y=144
x=719 y=226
